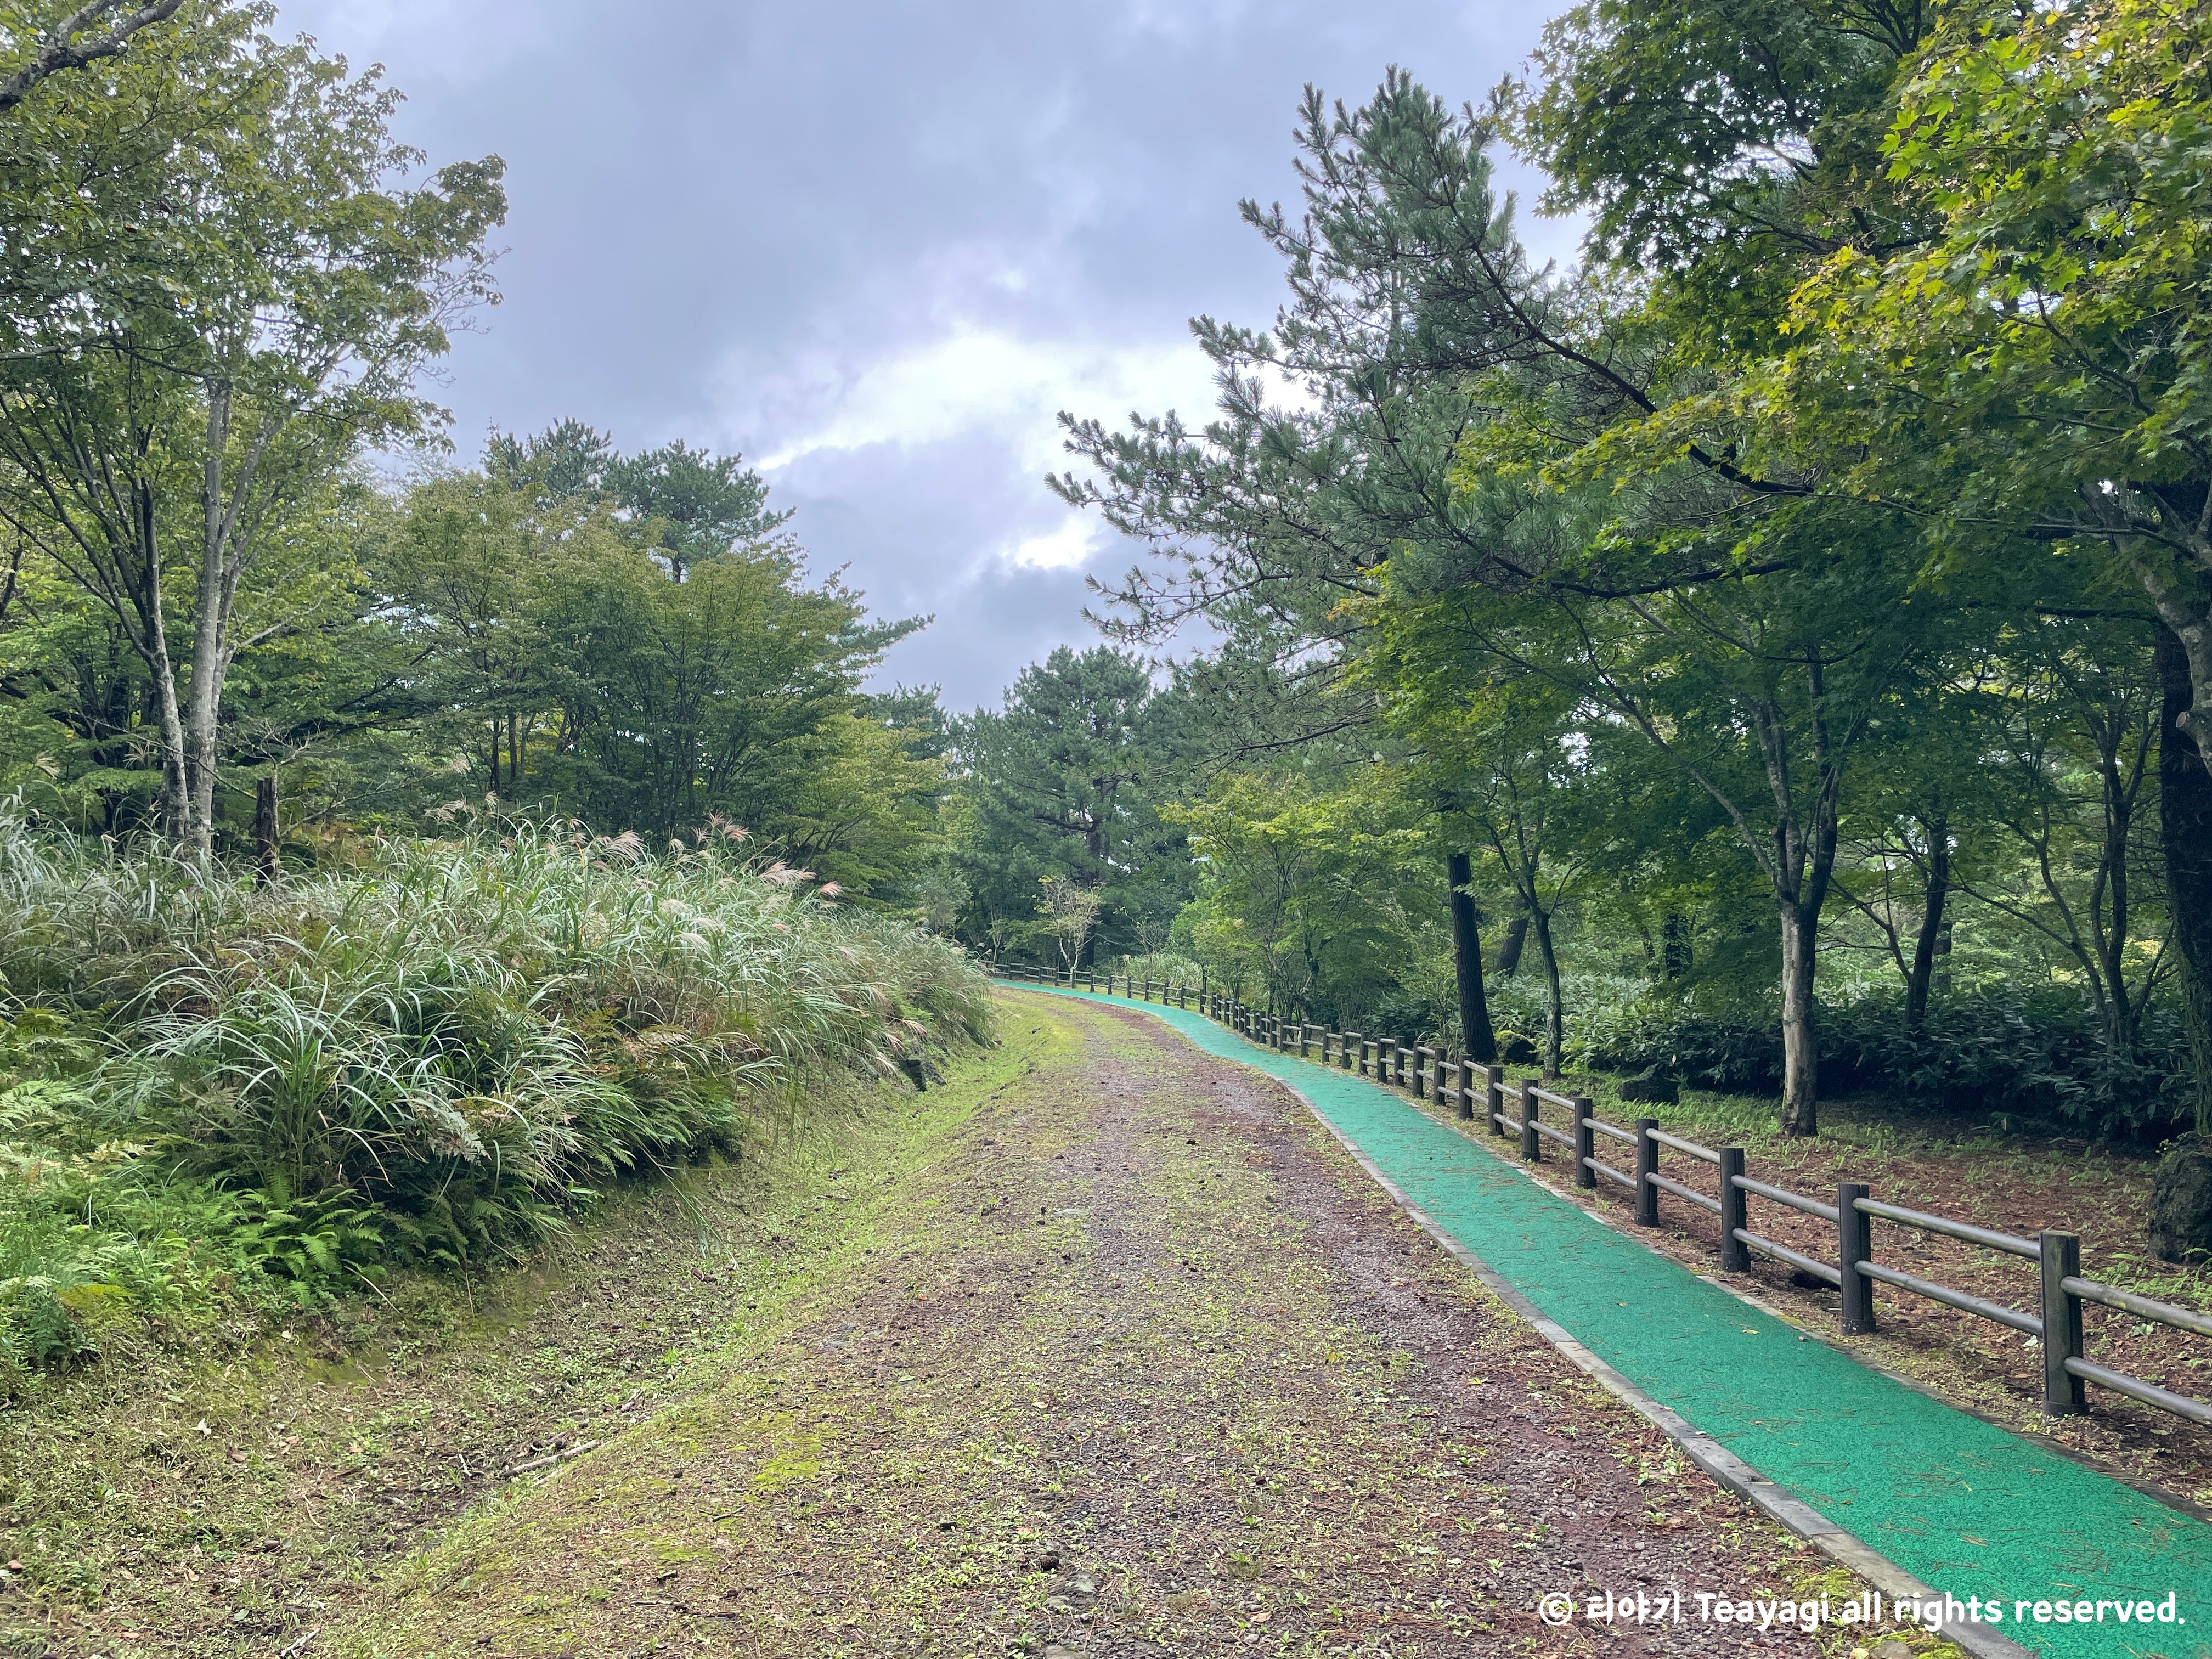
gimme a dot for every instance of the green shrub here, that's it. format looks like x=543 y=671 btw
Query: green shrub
x=435 y=1057
x=2037 y=1055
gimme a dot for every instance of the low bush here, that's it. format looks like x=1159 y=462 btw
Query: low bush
x=214 y=1089
x=2035 y=1055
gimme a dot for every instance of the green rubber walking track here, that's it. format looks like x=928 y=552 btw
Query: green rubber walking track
x=1962 y=1505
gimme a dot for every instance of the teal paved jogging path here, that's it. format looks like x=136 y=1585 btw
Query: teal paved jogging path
x=1962 y=1505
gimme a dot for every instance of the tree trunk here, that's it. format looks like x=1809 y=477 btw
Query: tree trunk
x=202 y=721
x=176 y=789
x=1801 y=1050
x=2183 y=651
x=1509 y=951
x=1933 y=923
x=1555 y=1027
x=1467 y=957
x=161 y=671
x=1677 y=954
x=264 y=828
x=2186 y=828
x=210 y=627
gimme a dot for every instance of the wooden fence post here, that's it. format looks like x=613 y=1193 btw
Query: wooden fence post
x=1421 y=1068
x=1493 y=1089
x=1646 y=1165
x=1585 y=1143
x=1855 y=1245
x=1532 y=1144
x=2060 y=1257
x=1736 y=1255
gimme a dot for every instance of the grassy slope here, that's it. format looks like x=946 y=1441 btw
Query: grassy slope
x=330 y=1448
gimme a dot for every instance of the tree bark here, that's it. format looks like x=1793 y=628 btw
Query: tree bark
x=1555 y=1026
x=147 y=602
x=1509 y=951
x=1467 y=955
x=1800 y=1048
x=1801 y=862
x=266 y=864
x=2186 y=829
x=1932 y=923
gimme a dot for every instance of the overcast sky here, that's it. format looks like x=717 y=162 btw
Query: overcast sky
x=875 y=248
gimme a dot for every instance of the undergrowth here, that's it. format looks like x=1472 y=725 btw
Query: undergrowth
x=2032 y=1058
x=218 y=1097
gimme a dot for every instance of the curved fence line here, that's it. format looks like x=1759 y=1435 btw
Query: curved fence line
x=1435 y=1074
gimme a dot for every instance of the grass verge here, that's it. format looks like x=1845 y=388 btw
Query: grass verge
x=197 y=1502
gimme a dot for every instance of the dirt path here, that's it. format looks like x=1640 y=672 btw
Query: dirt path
x=1128 y=1359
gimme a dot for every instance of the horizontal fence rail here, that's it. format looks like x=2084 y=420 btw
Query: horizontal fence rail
x=1539 y=1115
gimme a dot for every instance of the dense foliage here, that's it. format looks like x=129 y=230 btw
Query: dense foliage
x=386 y=865
x=224 y=281
x=1796 y=612
x=432 y=1057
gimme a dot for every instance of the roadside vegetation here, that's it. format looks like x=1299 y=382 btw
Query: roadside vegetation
x=226 y=1100
x=230 y=1496
x=398 y=850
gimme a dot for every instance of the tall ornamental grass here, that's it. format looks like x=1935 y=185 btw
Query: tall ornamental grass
x=435 y=1057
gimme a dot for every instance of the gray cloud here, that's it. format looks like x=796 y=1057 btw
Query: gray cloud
x=875 y=248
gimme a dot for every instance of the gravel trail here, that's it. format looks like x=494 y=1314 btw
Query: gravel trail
x=1128 y=1359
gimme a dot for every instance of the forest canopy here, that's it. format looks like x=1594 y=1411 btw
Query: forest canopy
x=252 y=603
x=1769 y=651
x=1790 y=625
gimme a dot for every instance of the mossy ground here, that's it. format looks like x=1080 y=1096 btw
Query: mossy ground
x=1101 y=1347
x=173 y=1504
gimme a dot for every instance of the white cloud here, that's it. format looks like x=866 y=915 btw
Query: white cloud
x=1064 y=549
x=980 y=380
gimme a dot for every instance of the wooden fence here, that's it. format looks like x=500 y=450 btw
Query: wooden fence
x=1432 y=1074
